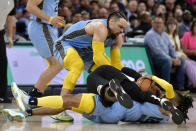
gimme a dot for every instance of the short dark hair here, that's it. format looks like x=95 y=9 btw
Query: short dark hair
x=158 y=16
x=117 y=14
x=132 y=17
x=185 y=102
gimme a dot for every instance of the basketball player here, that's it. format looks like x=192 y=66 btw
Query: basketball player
x=41 y=30
x=82 y=47
x=91 y=106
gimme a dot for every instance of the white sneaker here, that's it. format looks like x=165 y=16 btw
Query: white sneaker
x=63 y=116
x=14 y=115
x=21 y=97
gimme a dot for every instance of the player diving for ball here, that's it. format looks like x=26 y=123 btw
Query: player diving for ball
x=103 y=108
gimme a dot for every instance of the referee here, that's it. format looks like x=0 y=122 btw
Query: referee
x=7 y=12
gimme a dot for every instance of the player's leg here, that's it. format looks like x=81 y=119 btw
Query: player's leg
x=54 y=67
x=72 y=62
x=80 y=103
x=43 y=38
x=100 y=78
x=68 y=57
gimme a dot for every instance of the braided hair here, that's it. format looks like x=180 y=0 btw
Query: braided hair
x=185 y=102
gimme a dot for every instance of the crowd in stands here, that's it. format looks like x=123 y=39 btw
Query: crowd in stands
x=171 y=37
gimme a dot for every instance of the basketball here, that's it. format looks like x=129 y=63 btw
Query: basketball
x=144 y=84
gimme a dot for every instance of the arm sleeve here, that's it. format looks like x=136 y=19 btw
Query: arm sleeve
x=169 y=91
x=115 y=58
x=98 y=54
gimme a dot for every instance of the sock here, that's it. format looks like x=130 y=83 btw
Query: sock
x=54 y=102
x=35 y=92
x=33 y=101
x=29 y=112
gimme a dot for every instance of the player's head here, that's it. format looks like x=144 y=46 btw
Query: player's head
x=183 y=104
x=117 y=22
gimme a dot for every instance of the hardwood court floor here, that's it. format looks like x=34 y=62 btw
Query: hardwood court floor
x=38 y=123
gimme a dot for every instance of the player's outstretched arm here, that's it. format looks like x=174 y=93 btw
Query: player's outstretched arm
x=100 y=33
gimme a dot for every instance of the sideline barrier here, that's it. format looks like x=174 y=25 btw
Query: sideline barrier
x=25 y=64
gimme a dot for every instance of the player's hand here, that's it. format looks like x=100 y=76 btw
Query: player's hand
x=10 y=43
x=176 y=62
x=147 y=77
x=57 y=21
x=141 y=71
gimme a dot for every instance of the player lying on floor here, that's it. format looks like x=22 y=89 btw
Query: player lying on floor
x=91 y=106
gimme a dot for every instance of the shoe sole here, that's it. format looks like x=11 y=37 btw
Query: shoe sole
x=123 y=98
x=177 y=116
x=8 y=116
x=65 y=120
x=15 y=94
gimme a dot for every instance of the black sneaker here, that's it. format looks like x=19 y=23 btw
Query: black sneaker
x=177 y=115
x=35 y=93
x=5 y=100
x=123 y=98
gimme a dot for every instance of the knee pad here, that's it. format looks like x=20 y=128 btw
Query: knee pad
x=75 y=65
x=87 y=104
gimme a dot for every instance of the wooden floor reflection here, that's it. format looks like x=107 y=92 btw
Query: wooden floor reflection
x=38 y=123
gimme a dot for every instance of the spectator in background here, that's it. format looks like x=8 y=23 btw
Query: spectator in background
x=162 y=53
x=178 y=15
x=185 y=25
x=94 y=5
x=7 y=12
x=94 y=14
x=76 y=17
x=160 y=9
x=190 y=65
x=133 y=24
x=131 y=8
x=169 y=4
x=145 y=23
x=106 y=4
x=75 y=4
x=103 y=13
x=141 y=7
x=188 y=42
x=121 y=6
x=150 y=6
x=193 y=10
x=84 y=5
x=65 y=12
x=184 y=4
x=114 y=6
x=85 y=15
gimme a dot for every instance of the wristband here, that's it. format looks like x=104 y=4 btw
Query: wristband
x=50 y=20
